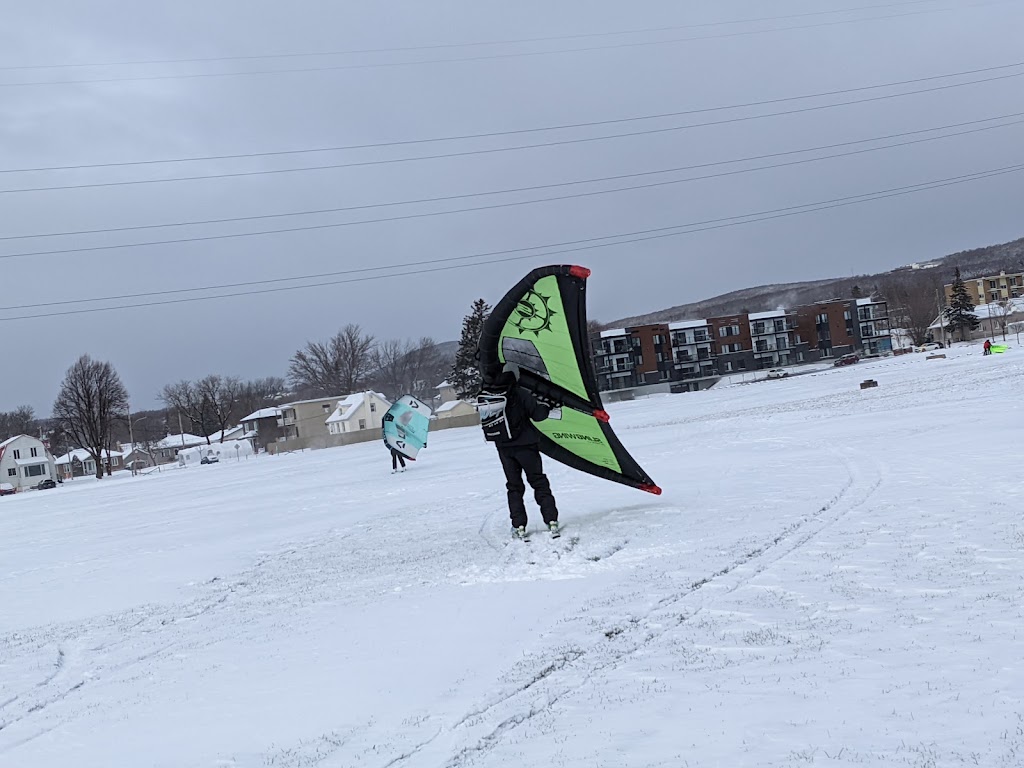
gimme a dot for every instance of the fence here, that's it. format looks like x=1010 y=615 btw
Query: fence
x=316 y=442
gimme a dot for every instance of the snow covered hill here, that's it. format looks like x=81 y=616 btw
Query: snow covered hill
x=832 y=577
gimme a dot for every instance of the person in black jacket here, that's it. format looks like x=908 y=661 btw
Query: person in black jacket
x=507 y=415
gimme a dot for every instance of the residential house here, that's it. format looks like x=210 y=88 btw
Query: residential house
x=694 y=354
x=25 y=461
x=79 y=463
x=454 y=409
x=137 y=456
x=229 y=434
x=306 y=418
x=446 y=392
x=363 y=410
x=874 y=336
x=263 y=427
x=991 y=288
x=995 y=320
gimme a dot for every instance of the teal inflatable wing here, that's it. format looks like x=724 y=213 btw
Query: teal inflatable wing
x=406 y=425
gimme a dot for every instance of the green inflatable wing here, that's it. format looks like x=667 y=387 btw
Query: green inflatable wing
x=541 y=326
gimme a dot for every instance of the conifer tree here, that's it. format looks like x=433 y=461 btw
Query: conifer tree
x=465 y=373
x=959 y=314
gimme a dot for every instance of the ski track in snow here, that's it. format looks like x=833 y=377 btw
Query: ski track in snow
x=403 y=626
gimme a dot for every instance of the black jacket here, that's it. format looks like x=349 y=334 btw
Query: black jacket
x=521 y=410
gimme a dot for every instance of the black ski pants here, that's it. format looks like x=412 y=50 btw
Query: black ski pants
x=515 y=460
x=395 y=458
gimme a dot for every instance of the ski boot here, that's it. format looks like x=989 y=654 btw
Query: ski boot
x=520 y=533
x=553 y=527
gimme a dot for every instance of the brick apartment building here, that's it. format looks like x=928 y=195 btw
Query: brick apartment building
x=693 y=354
x=991 y=289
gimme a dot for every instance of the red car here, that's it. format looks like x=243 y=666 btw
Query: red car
x=847 y=360
x=6 y=489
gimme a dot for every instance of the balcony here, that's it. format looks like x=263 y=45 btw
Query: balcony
x=286 y=421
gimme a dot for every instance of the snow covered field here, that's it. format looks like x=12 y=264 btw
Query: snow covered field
x=832 y=577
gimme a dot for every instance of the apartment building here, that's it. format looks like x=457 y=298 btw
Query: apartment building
x=992 y=288
x=691 y=355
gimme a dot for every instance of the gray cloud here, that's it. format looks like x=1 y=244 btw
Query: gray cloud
x=103 y=122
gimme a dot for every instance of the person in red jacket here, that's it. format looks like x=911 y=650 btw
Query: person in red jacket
x=988 y=347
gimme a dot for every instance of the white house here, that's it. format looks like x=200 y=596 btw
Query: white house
x=446 y=392
x=454 y=408
x=363 y=410
x=79 y=463
x=24 y=462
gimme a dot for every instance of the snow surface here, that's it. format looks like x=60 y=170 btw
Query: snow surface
x=834 y=576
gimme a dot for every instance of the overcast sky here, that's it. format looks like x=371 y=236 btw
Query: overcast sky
x=141 y=118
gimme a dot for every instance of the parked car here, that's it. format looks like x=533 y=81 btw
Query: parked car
x=849 y=359
x=44 y=485
x=778 y=373
x=931 y=346
x=6 y=489
x=210 y=460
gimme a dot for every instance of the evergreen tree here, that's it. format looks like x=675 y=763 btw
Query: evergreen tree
x=465 y=373
x=959 y=314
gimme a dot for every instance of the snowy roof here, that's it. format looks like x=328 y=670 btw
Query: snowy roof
x=444 y=384
x=450 y=406
x=767 y=315
x=8 y=441
x=687 y=324
x=616 y=332
x=228 y=434
x=82 y=455
x=984 y=311
x=313 y=400
x=349 y=406
x=263 y=413
x=31 y=461
x=175 y=441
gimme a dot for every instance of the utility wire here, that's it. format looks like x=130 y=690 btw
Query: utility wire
x=537 y=129
x=436 y=46
x=488 y=57
x=431 y=214
x=555 y=185
x=579 y=245
x=670 y=129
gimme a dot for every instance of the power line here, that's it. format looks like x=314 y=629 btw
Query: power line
x=537 y=129
x=561 y=142
x=488 y=57
x=618 y=177
x=581 y=245
x=436 y=46
x=410 y=216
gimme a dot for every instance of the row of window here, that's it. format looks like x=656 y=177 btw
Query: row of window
x=35 y=454
x=33 y=470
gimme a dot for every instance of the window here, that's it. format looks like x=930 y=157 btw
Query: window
x=659 y=357
x=17 y=455
x=35 y=453
x=741 y=365
x=822 y=319
x=12 y=472
x=723 y=332
x=326 y=407
x=362 y=423
x=35 y=470
x=798 y=340
x=846 y=315
x=728 y=367
x=799 y=357
x=639 y=360
x=373 y=407
x=994 y=296
x=991 y=283
x=758 y=328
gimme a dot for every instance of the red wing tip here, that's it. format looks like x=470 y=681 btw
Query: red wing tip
x=578 y=271
x=602 y=415
x=652 y=488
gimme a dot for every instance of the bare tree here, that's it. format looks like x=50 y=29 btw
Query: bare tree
x=220 y=393
x=260 y=393
x=189 y=400
x=999 y=313
x=391 y=359
x=336 y=367
x=90 y=399
x=913 y=303
x=20 y=421
x=408 y=367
